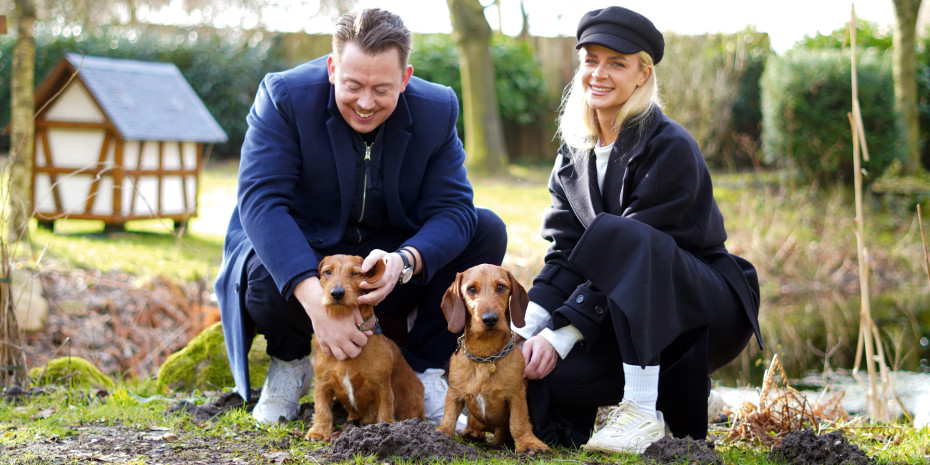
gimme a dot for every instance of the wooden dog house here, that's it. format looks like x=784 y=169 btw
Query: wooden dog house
x=118 y=140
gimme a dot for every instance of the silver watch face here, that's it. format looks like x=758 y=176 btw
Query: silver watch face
x=406 y=274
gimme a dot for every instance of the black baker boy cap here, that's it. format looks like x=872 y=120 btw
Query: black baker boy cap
x=620 y=29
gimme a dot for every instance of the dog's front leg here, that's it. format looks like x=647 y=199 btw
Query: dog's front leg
x=386 y=401
x=451 y=412
x=520 y=427
x=322 y=413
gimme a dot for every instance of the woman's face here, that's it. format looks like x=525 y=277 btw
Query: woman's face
x=609 y=79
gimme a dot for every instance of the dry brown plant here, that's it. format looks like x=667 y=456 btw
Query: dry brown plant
x=783 y=409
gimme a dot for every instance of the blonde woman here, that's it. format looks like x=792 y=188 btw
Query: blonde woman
x=639 y=300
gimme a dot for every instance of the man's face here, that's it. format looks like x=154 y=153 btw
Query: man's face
x=367 y=86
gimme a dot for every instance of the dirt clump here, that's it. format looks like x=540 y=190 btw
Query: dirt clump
x=805 y=447
x=413 y=440
x=209 y=411
x=675 y=450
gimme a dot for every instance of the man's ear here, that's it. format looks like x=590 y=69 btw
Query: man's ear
x=405 y=78
x=331 y=68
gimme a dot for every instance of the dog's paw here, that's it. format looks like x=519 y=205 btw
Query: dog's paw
x=316 y=435
x=533 y=446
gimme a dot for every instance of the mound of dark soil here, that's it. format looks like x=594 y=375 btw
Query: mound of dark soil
x=678 y=450
x=805 y=447
x=17 y=395
x=413 y=440
x=209 y=411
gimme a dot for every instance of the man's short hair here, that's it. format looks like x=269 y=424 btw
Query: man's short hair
x=373 y=30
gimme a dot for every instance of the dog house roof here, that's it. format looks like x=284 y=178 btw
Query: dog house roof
x=145 y=100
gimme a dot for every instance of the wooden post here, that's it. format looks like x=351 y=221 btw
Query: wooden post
x=2 y=24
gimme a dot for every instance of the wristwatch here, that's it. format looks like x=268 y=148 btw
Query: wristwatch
x=407 y=272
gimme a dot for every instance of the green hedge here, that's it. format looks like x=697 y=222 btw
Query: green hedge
x=806 y=96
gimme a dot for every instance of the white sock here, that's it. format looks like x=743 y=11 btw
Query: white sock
x=642 y=386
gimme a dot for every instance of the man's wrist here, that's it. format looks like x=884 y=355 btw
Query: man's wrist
x=407 y=271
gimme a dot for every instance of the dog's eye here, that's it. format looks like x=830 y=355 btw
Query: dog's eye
x=356 y=274
x=327 y=272
x=501 y=288
x=471 y=290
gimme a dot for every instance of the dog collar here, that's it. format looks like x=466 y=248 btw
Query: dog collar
x=371 y=324
x=490 y=358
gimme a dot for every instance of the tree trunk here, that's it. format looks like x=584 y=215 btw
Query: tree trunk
x=18 y=210
x=484 y=136
x=22 y=113
x=904 y=69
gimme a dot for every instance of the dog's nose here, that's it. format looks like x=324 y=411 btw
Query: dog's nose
x=489 y=319
x=337 y=293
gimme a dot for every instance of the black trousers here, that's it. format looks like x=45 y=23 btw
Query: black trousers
x=426 y=344
x=662 y=288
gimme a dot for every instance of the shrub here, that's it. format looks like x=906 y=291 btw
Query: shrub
x=806 y=96
x=709 y=83
x=521 y=92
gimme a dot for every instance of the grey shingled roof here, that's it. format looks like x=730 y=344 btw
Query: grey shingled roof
x=147 y=100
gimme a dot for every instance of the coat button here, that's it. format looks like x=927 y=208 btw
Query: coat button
x=598 y=310
x=237 y=287
x=316 y=241
x=579 y=299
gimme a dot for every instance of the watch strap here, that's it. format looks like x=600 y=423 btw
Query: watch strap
x=407 y=271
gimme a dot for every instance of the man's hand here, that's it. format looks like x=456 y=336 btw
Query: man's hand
x=540 y=357
x=337 y=337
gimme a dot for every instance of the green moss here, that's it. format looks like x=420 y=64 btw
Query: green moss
x=203 y=365
x=75 y=371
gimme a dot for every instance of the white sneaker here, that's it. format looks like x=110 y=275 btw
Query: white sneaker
x=628 y=429
x=285 y=384
x=434 y=394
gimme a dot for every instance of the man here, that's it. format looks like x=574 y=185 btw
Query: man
x=349 y=153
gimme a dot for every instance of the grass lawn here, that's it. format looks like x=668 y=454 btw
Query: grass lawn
x=799 y=238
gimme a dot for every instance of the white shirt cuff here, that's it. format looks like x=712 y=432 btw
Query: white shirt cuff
x=562 y=339
x=536 y=318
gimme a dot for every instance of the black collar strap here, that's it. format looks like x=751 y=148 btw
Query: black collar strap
x=490 y=358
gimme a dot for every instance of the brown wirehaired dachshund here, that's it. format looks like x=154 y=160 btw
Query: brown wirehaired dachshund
x=486 y=371
x=378 y=385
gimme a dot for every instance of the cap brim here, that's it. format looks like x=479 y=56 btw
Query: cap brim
x=610 y=41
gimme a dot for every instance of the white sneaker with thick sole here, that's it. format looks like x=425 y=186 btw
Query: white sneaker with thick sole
x=434 y=394
x=285 y=384
x=628 y=429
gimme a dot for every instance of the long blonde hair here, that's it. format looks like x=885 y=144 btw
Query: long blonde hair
x=578 y=126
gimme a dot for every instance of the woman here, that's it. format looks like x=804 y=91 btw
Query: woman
x=638 y=300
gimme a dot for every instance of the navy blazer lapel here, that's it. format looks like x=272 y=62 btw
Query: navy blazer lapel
x=580 y=184
x=395 y=140
x=340 y=139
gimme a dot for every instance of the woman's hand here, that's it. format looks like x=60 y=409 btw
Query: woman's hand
x=540 y=357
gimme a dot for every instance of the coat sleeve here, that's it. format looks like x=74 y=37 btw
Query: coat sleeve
x=269 y=170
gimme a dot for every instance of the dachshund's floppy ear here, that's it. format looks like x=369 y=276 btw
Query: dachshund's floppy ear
x=375 y=272
x=453 y=307
x=518 y=302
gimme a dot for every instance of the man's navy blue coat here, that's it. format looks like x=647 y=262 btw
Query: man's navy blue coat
x=296 y=177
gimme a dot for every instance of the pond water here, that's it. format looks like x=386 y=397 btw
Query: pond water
x=913 y=390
